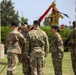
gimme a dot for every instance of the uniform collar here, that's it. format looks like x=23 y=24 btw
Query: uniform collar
x=37 y=28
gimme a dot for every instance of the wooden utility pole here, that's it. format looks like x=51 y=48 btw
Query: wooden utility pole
x=75 y=10
x=1 y=45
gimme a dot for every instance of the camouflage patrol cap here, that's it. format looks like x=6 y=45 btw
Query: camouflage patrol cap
x=23 y=23
x=36 y=22
x=14 y=23
x=56 y=28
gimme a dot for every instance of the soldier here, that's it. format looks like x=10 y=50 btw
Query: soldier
x=14 y=41
x=37 y=48
x=24 y=28
x=25 y=60
x=57 y=50
x=71 y=42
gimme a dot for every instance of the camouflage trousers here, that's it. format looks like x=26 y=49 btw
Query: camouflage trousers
x=73 y=58
x=12 y=63
x=26 y=66
x=37 y=65
x=19 y=58
x=57 y=63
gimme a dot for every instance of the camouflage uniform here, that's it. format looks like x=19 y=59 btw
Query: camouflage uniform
x=37 y=47
x=14 y=41
x=71 y=42
x=25 y=60
x=73 y=50
x=57 y=53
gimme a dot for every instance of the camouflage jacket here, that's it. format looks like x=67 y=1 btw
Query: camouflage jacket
x=37 y=44
x=24 y=33
x=57 y=43
x=14 y=42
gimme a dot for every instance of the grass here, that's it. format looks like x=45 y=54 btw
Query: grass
x=67 y=66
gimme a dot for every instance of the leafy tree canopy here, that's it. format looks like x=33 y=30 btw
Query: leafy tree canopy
x=8 y=13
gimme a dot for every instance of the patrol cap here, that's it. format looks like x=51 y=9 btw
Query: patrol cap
x=22 y=23
x=36 y=22
x=74 y=24
x=56 y=28
x=14 y=24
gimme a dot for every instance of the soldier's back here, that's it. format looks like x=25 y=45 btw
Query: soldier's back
x=37 y=36
x=37 y=40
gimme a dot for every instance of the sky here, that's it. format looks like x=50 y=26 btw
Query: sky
x=33 y=9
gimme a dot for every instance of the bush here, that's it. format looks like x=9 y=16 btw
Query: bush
x=64 y=33
x=4 y=31
x=47 y=29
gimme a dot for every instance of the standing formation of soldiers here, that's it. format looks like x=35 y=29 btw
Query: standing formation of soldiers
x=33 y=48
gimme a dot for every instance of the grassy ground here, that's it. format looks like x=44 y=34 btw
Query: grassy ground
x=67 y=67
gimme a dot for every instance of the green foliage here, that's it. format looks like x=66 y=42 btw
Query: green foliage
x=24 y=19
x=47 y=22
x=47 y=29
x=8 y=13
x=64 y=33
x=4 y=31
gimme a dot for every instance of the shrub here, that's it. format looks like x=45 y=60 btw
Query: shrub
x=4 y=31
x=64 y=33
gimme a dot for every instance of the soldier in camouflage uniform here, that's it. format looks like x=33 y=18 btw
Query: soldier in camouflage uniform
x=57 y=50
x=24 y=28
x=25 y=60
x=71 y=42
x=37 y=48
x=14 y=41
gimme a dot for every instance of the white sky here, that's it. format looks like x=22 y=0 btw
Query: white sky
x=33 y=9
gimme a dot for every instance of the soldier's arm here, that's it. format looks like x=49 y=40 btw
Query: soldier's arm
x=22 y=42
x=27 y=46
x=21 y=38
x=46 y=46
x=59 y=43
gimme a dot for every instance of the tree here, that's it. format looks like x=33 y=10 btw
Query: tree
x=47 y=22
x=24 y=19
x=8 y=13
